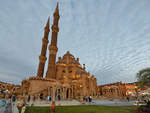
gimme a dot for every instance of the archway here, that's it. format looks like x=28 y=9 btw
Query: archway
x=67 y=93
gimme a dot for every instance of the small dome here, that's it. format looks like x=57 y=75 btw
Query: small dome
x=68 y=59
x=68 y=54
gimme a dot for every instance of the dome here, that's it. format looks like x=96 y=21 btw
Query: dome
x=68 y=58
x=68 y=54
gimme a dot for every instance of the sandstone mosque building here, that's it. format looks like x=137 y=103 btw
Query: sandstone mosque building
x=66 y=77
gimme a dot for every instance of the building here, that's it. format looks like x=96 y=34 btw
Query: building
x=66 y=78
x=117 y=90
x=131 y=88
x=7 y=88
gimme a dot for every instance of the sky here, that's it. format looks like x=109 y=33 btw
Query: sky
x=111 y=37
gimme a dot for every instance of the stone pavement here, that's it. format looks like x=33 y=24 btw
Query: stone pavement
x=6 y=109
x=113 y=103
x=58 y=103
x=75 y=102
x=9 y=108
x=13 y=109
x=2 y=109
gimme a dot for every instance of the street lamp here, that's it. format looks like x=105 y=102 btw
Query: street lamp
x=81 y=98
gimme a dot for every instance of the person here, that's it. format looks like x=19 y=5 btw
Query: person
x=23 y=109
x=13 y=98
x=34 y=98
x=47 y=98
x=59 y=97
x=90 y=98
x=86 y=98
x=41 y=96
x=2 y=103
x=29 y=98
x=50 y=98
x=135 y=97
x=148 y=103
x=10 y=96
x=128 y=98
x=53 y=107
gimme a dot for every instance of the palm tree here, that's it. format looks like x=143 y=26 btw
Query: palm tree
x=143 y=78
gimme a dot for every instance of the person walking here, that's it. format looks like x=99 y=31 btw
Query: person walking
x=41 y=96
x=90 y=98
x=53 y=107
x=86 y=98
x=50 y=98
x=59 y=98
x=28 y=98
x=34 y=98
x=13 y=98
x=128 y=98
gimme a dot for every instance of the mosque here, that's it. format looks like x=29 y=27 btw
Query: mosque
x=66 y=77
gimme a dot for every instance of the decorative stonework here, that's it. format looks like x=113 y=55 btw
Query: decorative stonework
x=42 y=57
x=66 y=77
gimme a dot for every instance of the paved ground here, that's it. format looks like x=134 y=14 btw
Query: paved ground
x=113 y=103
x=13 y=109
x=9 y=108
x=75 y=102
x=6 y=109
x=60 y=103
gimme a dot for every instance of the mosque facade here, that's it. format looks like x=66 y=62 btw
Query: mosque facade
x=66 y=78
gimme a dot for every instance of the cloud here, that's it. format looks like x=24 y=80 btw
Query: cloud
x=110 y=37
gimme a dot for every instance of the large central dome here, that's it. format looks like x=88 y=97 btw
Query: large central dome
x=68 y=58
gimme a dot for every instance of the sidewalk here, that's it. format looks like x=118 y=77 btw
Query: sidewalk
x=58 y=103
x=14 y=108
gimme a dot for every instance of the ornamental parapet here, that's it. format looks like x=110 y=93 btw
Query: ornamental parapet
x=55 y=28
x=43 y=79
x=53 y=48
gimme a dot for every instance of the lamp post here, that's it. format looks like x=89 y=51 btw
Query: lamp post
x=81 y=98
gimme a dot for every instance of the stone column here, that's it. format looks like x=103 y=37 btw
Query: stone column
x=48 y=91
x=68 y=93
x=72 y=92
x=64 y=93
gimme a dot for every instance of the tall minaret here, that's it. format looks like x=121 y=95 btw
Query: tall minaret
x=42 y=57
x=51 y=71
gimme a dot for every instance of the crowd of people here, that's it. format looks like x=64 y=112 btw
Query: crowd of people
x=87 y=99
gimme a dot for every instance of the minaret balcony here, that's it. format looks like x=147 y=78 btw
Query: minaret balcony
x=42 y=58
x=55 y=28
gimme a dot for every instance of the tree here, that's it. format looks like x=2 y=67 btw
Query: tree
x=143 y=78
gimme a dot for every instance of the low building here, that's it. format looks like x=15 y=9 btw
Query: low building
x=117 y=90
x=10 y=88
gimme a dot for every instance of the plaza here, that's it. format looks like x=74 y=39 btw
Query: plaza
x=68 y=58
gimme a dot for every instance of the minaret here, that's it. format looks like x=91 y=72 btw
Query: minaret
x=51 y=71
x=42 y=57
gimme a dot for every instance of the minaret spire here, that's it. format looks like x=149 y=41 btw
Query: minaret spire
x=57 y=8
x=42 y=57
x=51 y=71
x=47 y=25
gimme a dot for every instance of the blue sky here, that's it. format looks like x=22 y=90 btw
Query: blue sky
x=112 y=37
